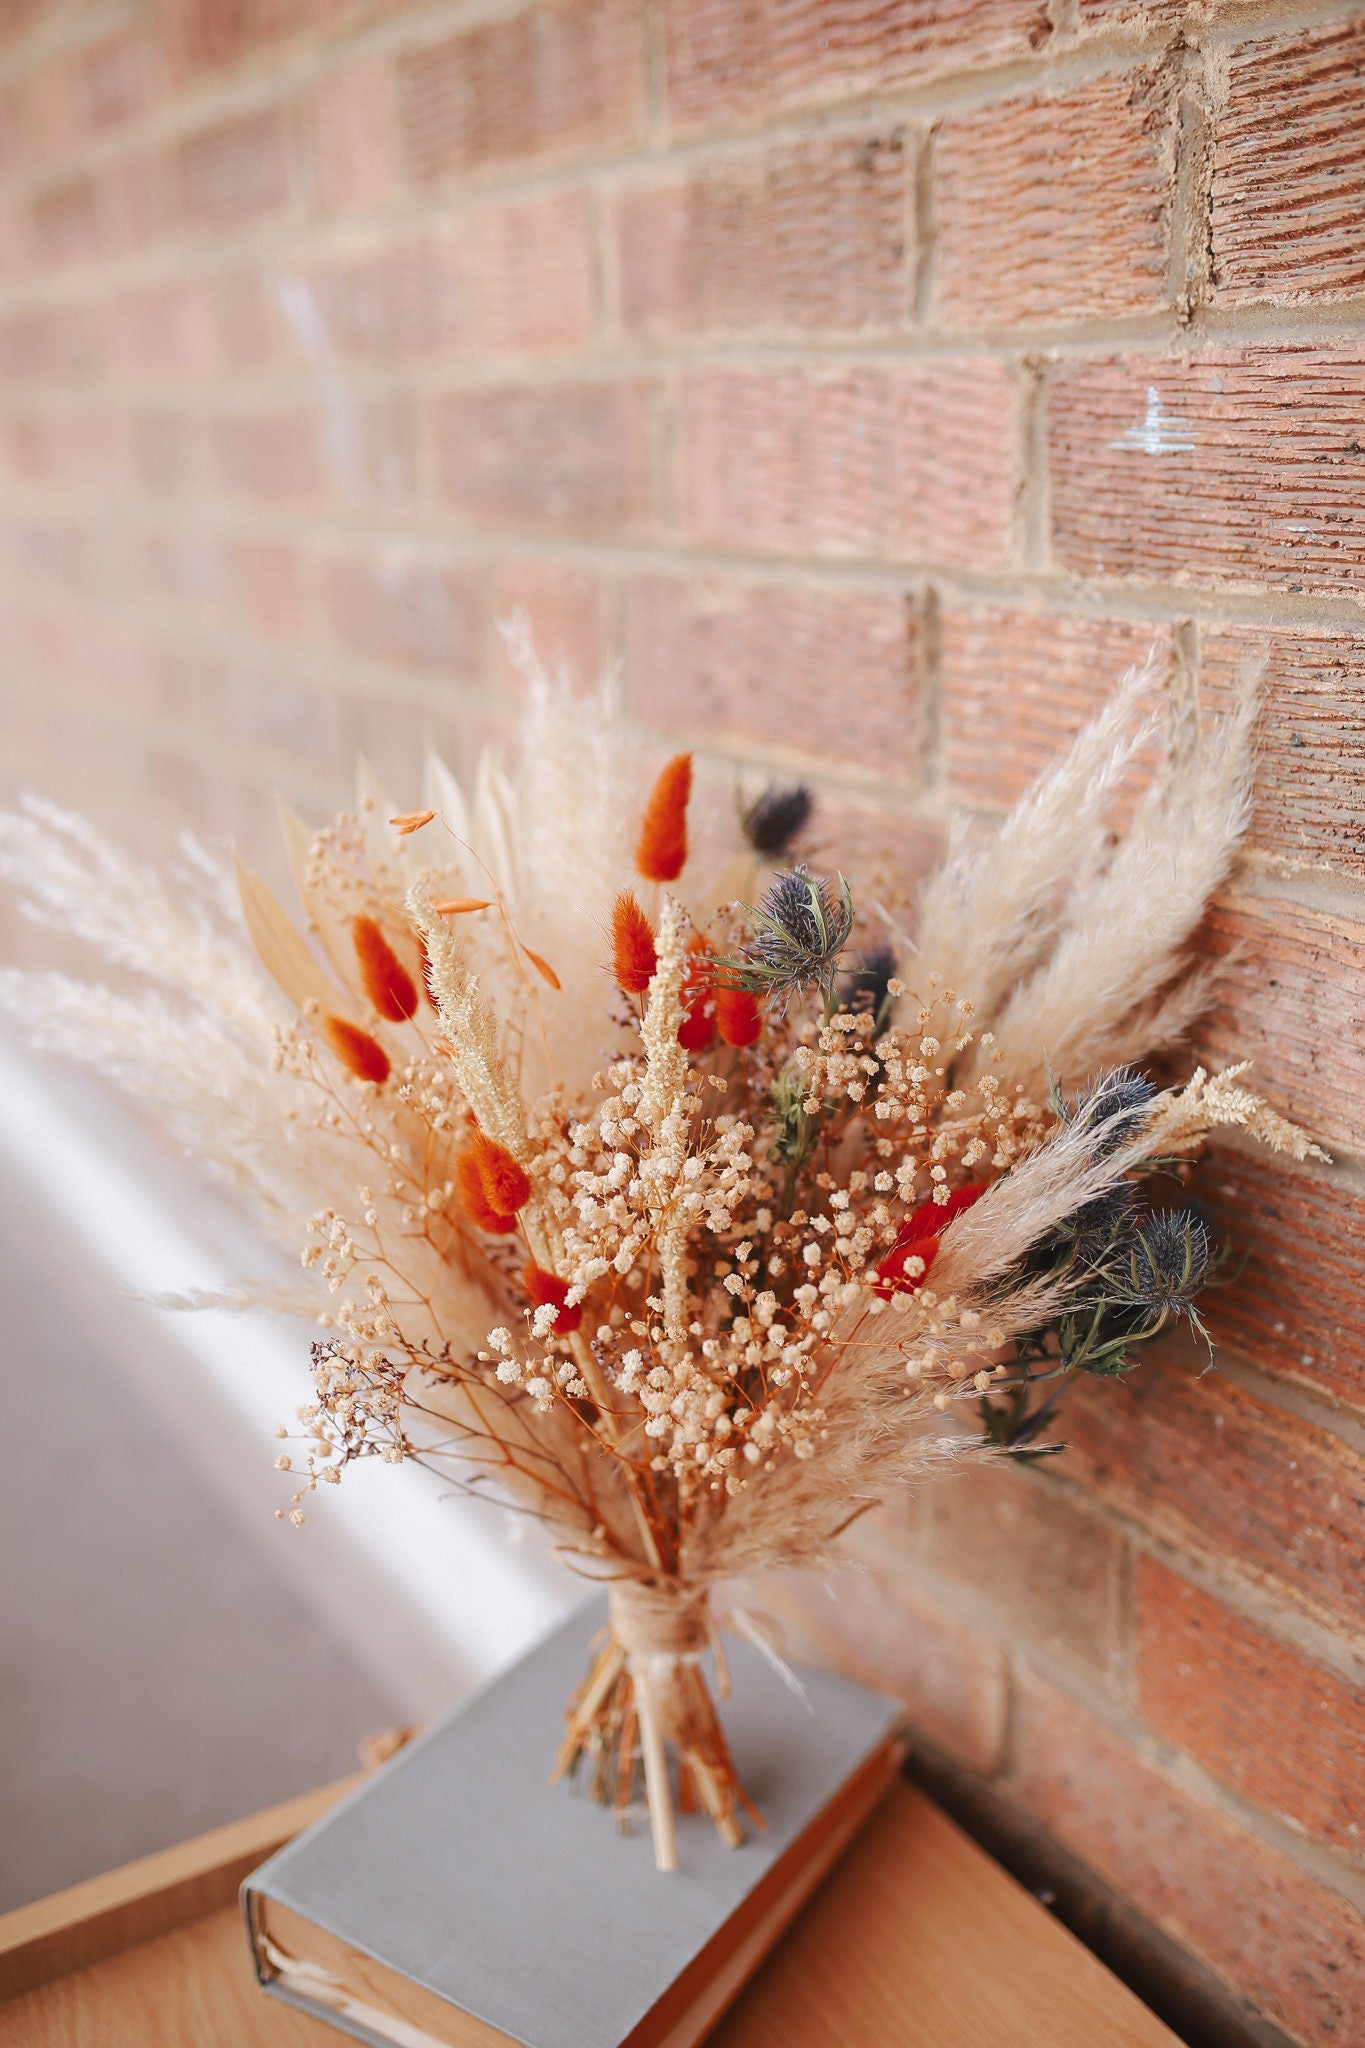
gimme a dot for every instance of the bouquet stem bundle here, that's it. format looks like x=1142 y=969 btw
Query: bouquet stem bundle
x=647 y=1693
x=686 y=1225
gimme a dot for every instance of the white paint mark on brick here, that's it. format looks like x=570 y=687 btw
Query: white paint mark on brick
x=1158 y=432
x=304 y=315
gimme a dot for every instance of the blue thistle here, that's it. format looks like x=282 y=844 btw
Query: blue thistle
x=799 y=931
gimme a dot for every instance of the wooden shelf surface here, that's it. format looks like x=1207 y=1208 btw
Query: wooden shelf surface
x=918 y=1940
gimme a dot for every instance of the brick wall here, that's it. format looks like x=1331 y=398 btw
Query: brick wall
x=875 y=377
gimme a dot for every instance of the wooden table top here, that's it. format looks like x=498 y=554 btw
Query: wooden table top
x=918 y=1937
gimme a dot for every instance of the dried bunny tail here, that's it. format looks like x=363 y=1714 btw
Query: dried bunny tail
x=994 y=909
x=476 y=1052
x=1184 y=1116
x=1110 y=992
x=68 y=876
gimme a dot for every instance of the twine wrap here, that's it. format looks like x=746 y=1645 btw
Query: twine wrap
x=660 y=1622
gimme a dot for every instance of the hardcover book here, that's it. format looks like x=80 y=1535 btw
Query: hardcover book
x=458 y=1898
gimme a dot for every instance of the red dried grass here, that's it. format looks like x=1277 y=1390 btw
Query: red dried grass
x=633 y=958
x=384 y=978
x=492 y=1186
x=546 y=1287
x=739 y=1019
x=661 y=852
x=364 y=1056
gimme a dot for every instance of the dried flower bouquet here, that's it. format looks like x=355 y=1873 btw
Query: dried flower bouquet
x=690 y=1227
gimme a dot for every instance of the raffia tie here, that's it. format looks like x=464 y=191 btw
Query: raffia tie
x=658 y=1623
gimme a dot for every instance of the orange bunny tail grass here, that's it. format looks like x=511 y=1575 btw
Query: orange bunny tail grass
x=492 y=1185
x=697 y=996
x=633 y=958
x=384 y=978
x=474 y=1196
x=661 y=853
x=548 y=1291
x=364 y=1056
x=739 y=1019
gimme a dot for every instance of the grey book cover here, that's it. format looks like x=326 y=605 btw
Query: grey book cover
x=460 y=1867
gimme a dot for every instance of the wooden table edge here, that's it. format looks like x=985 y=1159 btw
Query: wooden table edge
x=70 y=1929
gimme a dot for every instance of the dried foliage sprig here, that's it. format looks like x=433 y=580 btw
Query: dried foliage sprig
x=684 y=1226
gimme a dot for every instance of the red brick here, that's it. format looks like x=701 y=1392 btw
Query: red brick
x=360 y=453
x=213 y=34
x=357 y=144
x=862 y=461
x=275 y=456
x=815 y=234
x=791 y=668
x=1294 y=1950
x=554 y=80
x=564 y=608
x=737 y=58
x=1288 y=178
x=887 y=849
x=237 y=169
x=66 y=225
x=86 y=448
x=256 y=320
x=172 y=453
x=1310 y=738
x=1236 y=466
x=1295 y=1309
x=1293 y=1002
x=1056 y=207
x=163 y=331
x=115 y=77
x=65 y=342
x=538 y=273
x=1054 y=1569
x=70 y=554
x=570 y=455
x=1202 y=1462
x=401 y=298
x=181 y=563
x=1285 y=1732
x=272 y=583
x=1016 y=687
x=395 y=605
x=878 y=1629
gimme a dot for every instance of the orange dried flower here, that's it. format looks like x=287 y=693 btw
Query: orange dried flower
x=661 y=852
x=363 y=1055
x=384 y=978
x=411 y=821
x=739 y=1019
x=474 y=1201
x=633 y=958
x=546 y=1287
x=697 y=995
x=491 y=1183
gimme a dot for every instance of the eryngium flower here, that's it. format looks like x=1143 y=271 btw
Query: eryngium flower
x=800 y=929
x=1113 y=1107
x=1166 y=1264
x=772 y=822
